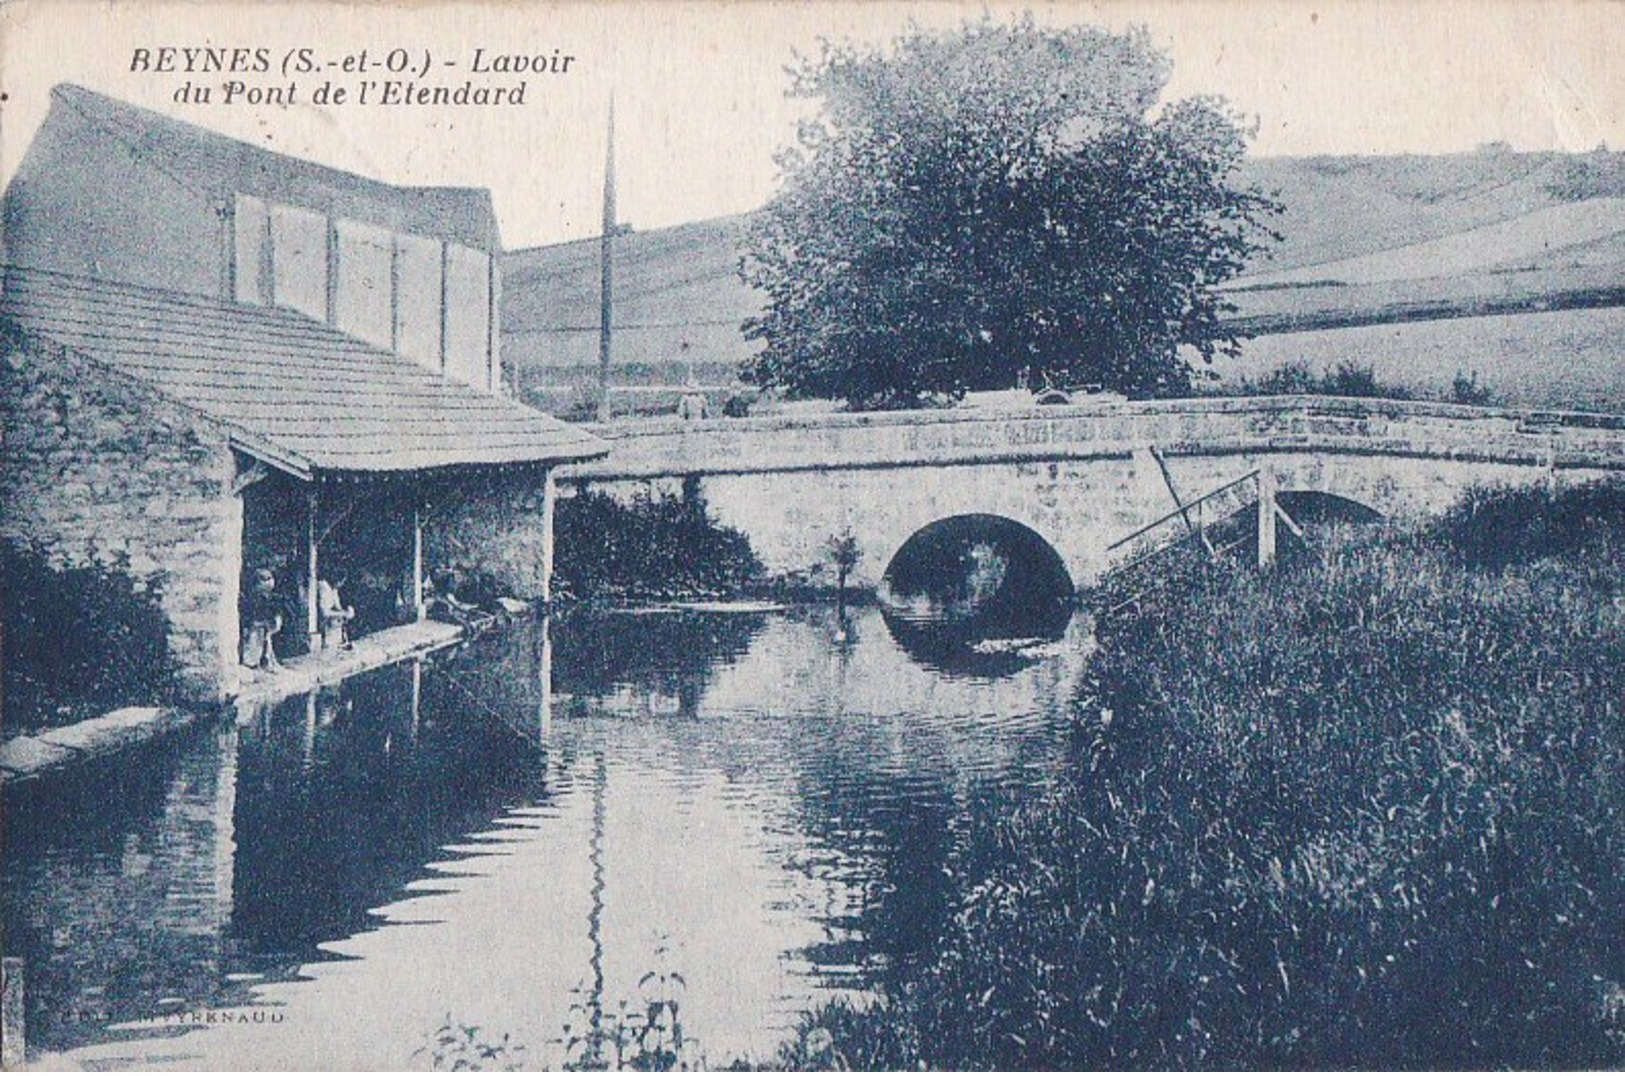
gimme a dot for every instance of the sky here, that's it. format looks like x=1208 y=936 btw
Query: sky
x=699 y=87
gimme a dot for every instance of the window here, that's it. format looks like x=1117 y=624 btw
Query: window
x=251 y=270
x=363 y=293
x=299 y=260
x=468 y=316
x=417 y=299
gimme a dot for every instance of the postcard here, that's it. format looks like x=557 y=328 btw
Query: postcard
x=918 y=534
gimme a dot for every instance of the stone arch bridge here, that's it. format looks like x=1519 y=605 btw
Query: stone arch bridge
x=1085 y=478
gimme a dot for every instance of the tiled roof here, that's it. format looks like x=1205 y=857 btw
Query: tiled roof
x=288 y=388
x=221 y=167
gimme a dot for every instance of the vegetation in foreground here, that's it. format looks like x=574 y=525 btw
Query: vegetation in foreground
x=1366 y=811
x=77 y=641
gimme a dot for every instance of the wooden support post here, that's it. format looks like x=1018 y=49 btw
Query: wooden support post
x=445 y=296
x=226 y=212
x=544 y=679
x=307 y=754
x=395 y=293
x=265 y=271
x=13 y=1032
x=1266 y=519
x=417 y=697
x=332 y=271
x=606 y=270
x=549 y=503
x=419 y=611
x=493 y=336
x=313 y=626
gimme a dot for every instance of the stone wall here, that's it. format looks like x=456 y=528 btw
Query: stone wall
x=1082 y=476
x=1080 y=507
x=492 y=523
x=1197 y=427
x=96 y=465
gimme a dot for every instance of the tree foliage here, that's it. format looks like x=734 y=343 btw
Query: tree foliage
x=656 y=546
x=995 y=203
x=78 y=641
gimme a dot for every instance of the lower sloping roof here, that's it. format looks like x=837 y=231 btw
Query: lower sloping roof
x=288 y=388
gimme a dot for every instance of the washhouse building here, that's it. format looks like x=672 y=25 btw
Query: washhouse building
x=221 y=361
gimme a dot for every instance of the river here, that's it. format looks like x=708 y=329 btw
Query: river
x=747 y=813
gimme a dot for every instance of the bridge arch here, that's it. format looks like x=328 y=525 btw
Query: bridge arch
x=964 y=566
x=1311 y=507
x=966 y=593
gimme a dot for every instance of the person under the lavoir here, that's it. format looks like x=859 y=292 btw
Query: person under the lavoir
x=332 y=615
x=264 y=620
x=442 y=602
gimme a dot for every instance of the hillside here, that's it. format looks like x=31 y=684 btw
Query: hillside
x=1342 y=207
x=1376 y=239
x=679 y=303
x=1402 y=242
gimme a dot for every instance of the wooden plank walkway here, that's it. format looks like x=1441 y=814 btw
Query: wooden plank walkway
x=310 y=671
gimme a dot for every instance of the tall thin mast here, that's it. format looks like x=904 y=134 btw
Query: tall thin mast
x=606 y=270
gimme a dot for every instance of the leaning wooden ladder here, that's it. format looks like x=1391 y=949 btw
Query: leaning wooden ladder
x=1196 y=512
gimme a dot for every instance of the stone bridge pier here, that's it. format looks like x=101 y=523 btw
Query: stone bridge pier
x=1080 y=477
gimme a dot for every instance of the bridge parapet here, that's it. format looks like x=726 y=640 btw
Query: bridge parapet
x=1202 y=426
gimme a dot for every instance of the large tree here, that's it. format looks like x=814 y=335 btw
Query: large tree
x=995 y=203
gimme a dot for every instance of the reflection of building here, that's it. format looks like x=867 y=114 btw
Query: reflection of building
x=130 y=903
x=220 y=359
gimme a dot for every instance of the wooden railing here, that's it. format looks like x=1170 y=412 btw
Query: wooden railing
x=1199 y=513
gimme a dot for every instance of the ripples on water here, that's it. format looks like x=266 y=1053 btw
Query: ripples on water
x=765 y=803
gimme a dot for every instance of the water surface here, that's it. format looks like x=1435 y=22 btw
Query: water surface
x=514 y=836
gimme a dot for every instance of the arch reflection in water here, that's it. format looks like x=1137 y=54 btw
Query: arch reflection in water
x=977 y=595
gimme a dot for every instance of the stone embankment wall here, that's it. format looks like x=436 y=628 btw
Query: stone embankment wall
x=97 y=466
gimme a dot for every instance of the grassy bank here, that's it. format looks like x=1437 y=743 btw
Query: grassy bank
x=1366 y=811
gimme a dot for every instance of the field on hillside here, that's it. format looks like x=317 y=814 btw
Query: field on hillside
x=1569 y=359
x=1338 y=208
x=1372 y=247
x=1579 y=234
x=1371 y=240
